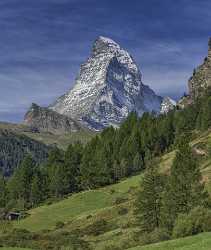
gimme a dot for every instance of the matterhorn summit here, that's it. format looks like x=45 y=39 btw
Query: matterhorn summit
x=167 y=105
x=107 y=88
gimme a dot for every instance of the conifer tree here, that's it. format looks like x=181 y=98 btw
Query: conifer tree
x=206 y=114
x=2 y=191
x=72 y=162
x=19 y=185
x=37 y=191
x=56 y=173
x=137 y=162
x=148 y=203
x=185 y=189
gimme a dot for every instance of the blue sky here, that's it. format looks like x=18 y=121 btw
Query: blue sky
x=43 y=43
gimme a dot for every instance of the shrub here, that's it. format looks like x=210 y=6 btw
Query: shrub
x=89 y=216
x=120 y=200
x=197 y=221
x=112 y=191
x=157 y=235
x=59 y=225
x=97 y=228
x=122 y=211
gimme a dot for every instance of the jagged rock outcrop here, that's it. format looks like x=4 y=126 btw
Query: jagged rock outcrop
x=47 y=120
x=107 y=89
x=201 y=78
x=167 y=105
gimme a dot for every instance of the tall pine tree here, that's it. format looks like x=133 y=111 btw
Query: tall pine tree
x=3 y=192
x=148 y=203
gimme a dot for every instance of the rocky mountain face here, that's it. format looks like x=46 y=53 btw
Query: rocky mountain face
x=167 y=105
x=201 y=78
x=47 y=120
x=107 y=88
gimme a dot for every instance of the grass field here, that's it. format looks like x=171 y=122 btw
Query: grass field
x=77 y=205
x=198 y=242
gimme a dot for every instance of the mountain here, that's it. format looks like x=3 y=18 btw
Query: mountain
x=107 y=88
x=201 y=78
x=47 y=120
x=167 y=105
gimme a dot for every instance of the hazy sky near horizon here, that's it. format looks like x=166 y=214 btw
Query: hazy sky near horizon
x=43 y=43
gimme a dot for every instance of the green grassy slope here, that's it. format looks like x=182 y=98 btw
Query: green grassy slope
x=76 y=206
x=79 y=211
x=61 y=141
x=198 y=242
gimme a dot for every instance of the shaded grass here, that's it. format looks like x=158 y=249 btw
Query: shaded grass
x=13 y=248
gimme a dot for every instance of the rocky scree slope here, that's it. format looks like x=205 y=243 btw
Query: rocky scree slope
x=107 y=88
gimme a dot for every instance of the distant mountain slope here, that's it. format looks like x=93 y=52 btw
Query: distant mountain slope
x=107 y=89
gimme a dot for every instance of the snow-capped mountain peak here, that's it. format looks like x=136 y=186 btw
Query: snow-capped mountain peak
x=167 y=105
x=107 y=88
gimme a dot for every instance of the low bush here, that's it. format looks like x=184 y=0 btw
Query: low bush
x=120 y=200
x=98 y=227
x=197 y=221
x=122 y=211
x=157 y=235
x=59 y=225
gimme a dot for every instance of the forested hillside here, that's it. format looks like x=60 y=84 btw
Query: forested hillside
x=14 y=147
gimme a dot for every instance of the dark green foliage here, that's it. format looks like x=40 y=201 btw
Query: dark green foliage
x=13 y=149
x=197 y=221
x=37 y=194
x=72 y=161
x=98 y=227
x=157 y=235
x=148 y=203
x=56 y=174
x=185 y=189
x=3 y=192
x=19 y=186
x=206 y=114
x=44 y=240
x=59 y=225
